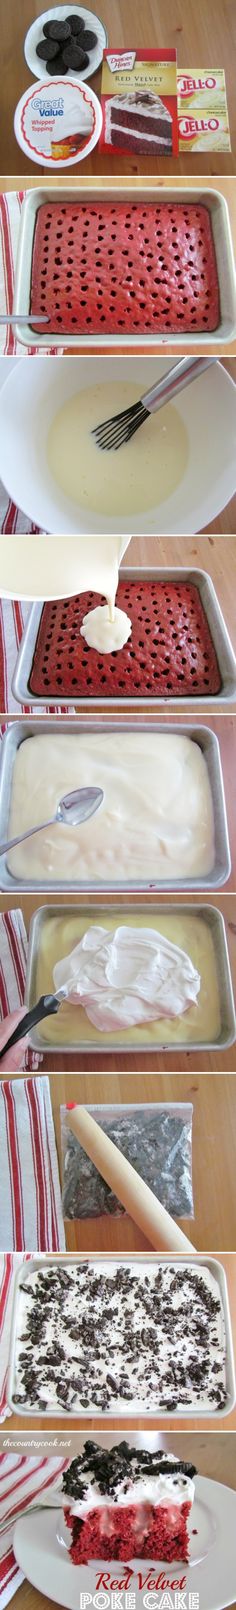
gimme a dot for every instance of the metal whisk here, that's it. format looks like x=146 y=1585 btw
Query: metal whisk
x=112 y=433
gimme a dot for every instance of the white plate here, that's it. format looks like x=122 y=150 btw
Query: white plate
x=211 y=1572
x=35 y=35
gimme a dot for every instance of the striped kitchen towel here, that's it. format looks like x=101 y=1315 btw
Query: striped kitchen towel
x=13 y=617
x=13 y=958
x=30 y=1197
x=22 y=1482
x=10 y=215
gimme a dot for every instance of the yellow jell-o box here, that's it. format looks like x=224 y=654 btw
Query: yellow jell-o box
x=199 y=89
x=202 y=110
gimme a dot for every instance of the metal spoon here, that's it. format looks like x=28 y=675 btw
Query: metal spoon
x=72 y=809
x=24 y=318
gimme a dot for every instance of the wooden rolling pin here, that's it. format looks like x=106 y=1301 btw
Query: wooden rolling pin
x=161 y=1230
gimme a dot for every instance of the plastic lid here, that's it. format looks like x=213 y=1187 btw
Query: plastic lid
x=57 y=123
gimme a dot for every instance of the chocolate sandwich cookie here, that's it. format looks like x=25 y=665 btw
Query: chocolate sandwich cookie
x=59 y=30
x=89 y=39
x=46 y=30
x=47 y=49
x=74 y=57
x=58 y=65
x=77 y=24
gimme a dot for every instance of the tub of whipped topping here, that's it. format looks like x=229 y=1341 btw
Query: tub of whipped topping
x=59 y=1307
x=58 y=123
x=203 y=979
x=217 y=217
x=141 y=580
x=162 y=822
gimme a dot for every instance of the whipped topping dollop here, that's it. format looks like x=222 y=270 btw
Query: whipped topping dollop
x=128 y=977
x=105 y=629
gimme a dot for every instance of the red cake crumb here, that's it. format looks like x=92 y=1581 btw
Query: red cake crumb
x=170 y=652
x=124 y=268
x=138 y=1531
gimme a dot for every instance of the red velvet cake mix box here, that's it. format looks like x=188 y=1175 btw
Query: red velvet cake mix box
x=139 y=102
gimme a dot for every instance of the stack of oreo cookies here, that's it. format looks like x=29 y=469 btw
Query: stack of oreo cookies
x=66 y=45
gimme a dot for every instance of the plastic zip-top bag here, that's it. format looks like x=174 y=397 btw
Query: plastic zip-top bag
x=157 y=1140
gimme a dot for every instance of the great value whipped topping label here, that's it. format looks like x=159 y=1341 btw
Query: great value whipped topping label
x=56 y=121
x=202 y=110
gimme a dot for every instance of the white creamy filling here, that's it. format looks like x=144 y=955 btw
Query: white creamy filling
x=156 y=818
x=140 y=134
x=174 y=1490
x=118 y=1313
x=127 y=977
x=105 y=629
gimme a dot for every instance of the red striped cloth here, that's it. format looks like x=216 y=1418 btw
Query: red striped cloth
x=30 y=1197
x=13 y=958
x=10 y=216
x=22 y=1481
x=13 y=617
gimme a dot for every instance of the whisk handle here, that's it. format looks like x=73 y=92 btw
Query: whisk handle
x=180 y=375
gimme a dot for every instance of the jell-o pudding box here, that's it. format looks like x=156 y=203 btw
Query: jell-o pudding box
x=202 y=110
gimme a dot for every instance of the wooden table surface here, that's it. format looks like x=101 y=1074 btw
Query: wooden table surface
x=226 y=187
x=215 y=1457
x=215 y=1061
x=99 y=1422
x=204 y=36
x=214 y=1116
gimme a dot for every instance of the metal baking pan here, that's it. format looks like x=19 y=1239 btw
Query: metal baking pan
x=215 y=1268
x=220 y=637
x=99 y=913
x=18 y=732
x=218 y=209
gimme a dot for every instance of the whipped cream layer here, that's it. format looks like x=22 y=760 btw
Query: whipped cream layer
x=106 y=630
x=124 y=1476
x=155 y=821
x=59 y=934
x=128 y=977
x=120 y=1338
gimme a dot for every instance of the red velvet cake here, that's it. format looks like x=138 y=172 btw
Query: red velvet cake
x=170 y=652
x=123 y=1503
x=105 y=268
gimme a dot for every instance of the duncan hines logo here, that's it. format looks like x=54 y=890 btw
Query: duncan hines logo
x=188 y=86
x=197 y=125
x=125 y=59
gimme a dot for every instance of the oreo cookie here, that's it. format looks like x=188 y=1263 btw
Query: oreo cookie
x=47 y=49
x=76 y=23
x=56 y=66
x=75 y=58
x=59 y=30
x=89 y=39
x=46 y=29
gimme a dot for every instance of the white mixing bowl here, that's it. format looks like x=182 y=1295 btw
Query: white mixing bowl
x=35 y=390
